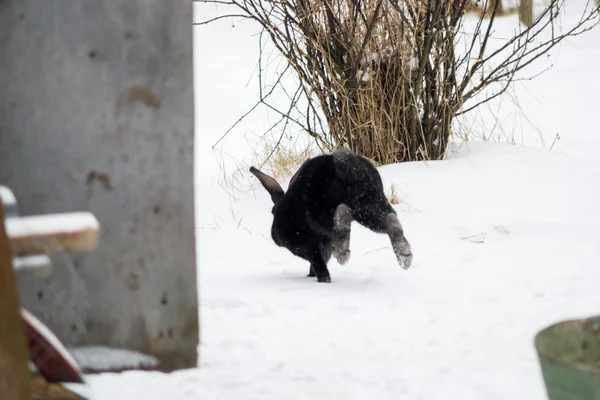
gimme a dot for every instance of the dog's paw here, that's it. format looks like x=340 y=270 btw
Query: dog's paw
x=341 y=255
x=404 y=259
x=325 y=278
x=403 y=253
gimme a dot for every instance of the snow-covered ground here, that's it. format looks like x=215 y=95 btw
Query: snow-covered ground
x=506 y=240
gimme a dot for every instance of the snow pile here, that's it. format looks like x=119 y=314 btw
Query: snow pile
x=98 y=358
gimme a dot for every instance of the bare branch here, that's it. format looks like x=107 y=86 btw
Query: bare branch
x=208 y=21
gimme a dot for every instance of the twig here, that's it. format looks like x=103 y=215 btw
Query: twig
x=474 y=236
x=222 y=17
x=557 y=137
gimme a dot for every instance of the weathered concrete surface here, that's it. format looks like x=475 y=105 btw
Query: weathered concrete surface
x=96 y=114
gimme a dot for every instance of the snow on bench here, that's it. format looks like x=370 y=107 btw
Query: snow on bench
x=38 y=265
x=9 y=201
x=68 y=232
x=32 y=238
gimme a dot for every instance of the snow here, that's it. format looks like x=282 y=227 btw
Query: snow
x=8 y=200
x=7 y=197
x=40 y=265
x=51 y=224
x=98 y=358
x=80 y=389
x=505 y=242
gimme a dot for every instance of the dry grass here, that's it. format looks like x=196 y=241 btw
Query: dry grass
x=392 y=195
x=373 y=86
x=279 y=157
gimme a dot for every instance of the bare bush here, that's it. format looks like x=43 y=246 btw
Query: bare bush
x=389 y=77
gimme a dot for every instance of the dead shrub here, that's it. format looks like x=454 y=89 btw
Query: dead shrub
x=388 y=77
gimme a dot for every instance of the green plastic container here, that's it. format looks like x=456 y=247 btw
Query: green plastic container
x=569 y=354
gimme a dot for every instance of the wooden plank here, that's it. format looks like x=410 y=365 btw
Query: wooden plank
x=15 y=379
x=42 y=389
x=51 y=358
x=38 y=265
x=69 y=232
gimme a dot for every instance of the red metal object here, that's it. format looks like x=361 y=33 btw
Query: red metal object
x=52 y=359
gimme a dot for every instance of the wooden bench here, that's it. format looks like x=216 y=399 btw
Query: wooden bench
x=25 y=245
x=56 y=370
x=33 y=238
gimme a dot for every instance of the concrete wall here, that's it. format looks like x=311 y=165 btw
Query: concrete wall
x=96 y=113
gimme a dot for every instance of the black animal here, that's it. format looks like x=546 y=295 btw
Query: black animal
x=312 y=220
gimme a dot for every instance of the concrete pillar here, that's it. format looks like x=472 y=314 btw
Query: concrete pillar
x=96 y=114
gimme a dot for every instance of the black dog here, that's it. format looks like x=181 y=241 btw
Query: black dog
x=328 y=192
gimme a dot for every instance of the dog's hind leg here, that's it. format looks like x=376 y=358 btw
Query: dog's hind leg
x=399 y=243
x=342 y=220
x=384 y=220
